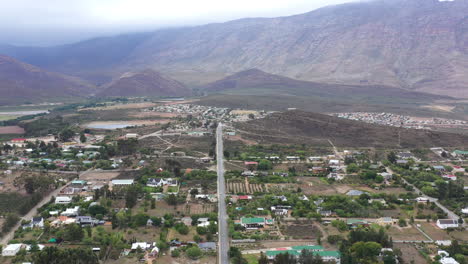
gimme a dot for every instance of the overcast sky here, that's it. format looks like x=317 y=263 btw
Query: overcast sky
x=49 y=22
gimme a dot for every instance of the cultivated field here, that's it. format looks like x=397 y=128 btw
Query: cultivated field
x=433 y=231
x=11 y=130
x=242 y=187
x=120 y=106
x=302 y=230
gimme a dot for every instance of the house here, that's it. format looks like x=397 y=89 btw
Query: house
x=207 y=246
x=334 y=162
x=255 y=222
x=315 y=158
x=402 y=162
x=122 y=182
x=186 y=220
x=206 y=159
x=438 y=168
x=447 y=223
x=280 y=210
x=37 y=222
x=445 y=257
x=422 y=200
x=63 y=200
x=387 y=176
x=465 y=211
x=458 y=169
x=131 y=135
x=383 y=221
x=460 y=153
x=449 y=177
x=142 y=245
x=71 y=211
x=353 y=223
x=11 y=250
x=355 y=193
x=248 y=173
x=404 y=155
x=203 y=222
x=379 y=200
x=155 y=182
x=335 y=176
x=86 y=221
x=293 y=158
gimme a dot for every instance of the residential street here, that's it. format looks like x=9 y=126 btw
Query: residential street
x=223 y=243
x=449 y=213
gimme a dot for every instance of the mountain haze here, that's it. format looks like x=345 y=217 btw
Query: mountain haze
x=420 y=45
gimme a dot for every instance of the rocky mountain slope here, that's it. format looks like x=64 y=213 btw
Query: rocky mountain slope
x=414 y=44
x=144 y=83
x=21 y=82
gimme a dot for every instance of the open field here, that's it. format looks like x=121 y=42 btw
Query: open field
x=99 y=175
x=314 y=185
x=433 y=231
x=5 y=130
x=443 y=108
x=302 y=230
x=120 y=106
x=410 y=253
x=405 y=233
x=7 y=117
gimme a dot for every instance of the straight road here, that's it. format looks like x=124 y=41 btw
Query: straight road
x=223 y=240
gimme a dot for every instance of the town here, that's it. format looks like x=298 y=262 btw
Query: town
x=150 y=193
x=390 y=119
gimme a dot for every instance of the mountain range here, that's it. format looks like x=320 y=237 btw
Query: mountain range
x=410 y=45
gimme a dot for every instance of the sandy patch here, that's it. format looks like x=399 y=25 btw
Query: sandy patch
x=244 y=112
x=11 y=130
x=442 y=108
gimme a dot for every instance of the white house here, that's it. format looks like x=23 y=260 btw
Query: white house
x=334 y=162
x=122 y=182
x=63 y=200
x=447 y=223
x=141 y=245
x=422 y=200
x=449 y=177
x=71 y=211
x=203 y=222
x=465 y=210
x=12 y=250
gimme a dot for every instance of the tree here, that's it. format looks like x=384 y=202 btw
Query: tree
x=182 y=228
x=131 y=196
x=73 y=232
x=308 y=257
x=66 y=134
x=82 y=138
x=392 y=157
x=365 y=251
x=352 y=168
x=285 y=259
x=263 y=259
x=194 y=253
x=265 y=165
x=251 y=116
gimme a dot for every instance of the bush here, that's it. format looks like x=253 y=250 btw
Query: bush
x=194 y=253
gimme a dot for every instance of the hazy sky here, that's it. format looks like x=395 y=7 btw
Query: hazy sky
x=47 y=22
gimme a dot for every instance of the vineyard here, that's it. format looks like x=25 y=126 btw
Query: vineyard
x=244 y=187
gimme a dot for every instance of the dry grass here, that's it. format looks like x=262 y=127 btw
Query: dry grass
x=410 y=253
x=405 y=233
x=433 y=231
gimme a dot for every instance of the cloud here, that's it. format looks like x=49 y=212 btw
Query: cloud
x=55 y=21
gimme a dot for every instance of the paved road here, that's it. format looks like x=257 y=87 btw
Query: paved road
x=223 y=241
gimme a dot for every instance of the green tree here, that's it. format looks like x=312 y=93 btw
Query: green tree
x=73 y=232
x=265 y=165
x=194 y=253
x=392 y=157
x=66 y=134
x=82 y=138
